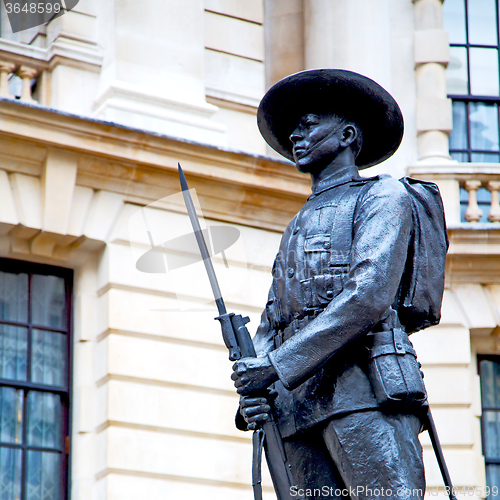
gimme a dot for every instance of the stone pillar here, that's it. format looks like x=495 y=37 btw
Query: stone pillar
x=5 y=69
x=153 y=70
x=284 y=38
x=27 y=74
x=431 y=55
x=352 y=35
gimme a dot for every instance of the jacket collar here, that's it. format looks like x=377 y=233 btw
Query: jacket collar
x=340 y=177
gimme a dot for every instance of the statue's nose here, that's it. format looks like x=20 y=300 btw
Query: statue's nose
x=295 y=136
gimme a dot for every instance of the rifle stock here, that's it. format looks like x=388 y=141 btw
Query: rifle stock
x=240 y=345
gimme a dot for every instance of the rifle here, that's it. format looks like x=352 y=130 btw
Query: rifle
x=240 y=345
x=431 y=428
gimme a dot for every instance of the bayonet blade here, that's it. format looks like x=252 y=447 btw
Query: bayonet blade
x=205 y=254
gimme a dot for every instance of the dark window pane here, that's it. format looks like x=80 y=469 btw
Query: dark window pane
x=48 y=301
x=491 y=422
x=458 y=137
x=14 y=297
x=48 y=358
x=482 y=22
x=13 y=352
x=457 y=81
x=44 y=420
x=483 y=71
x=10 y=474
x=483 y=126
x=490 y=383
x=454 y=20
x=11 y=411
x=493 y=480
x=44 y=476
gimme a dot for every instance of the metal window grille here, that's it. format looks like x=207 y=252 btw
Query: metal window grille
x=35 y=382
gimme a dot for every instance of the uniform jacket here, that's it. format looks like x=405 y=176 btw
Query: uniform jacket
x=323 y=366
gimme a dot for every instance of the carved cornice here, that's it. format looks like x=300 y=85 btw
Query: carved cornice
x=473 y=256
x=142 y=167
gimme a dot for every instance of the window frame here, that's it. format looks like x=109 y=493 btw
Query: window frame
x=30 y=268
x=473 y=98
x=487 y=460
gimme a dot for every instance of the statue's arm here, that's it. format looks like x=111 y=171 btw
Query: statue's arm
x=382 y=226
x=264 y=337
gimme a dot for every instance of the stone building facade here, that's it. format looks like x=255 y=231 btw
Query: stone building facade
x=96 y=109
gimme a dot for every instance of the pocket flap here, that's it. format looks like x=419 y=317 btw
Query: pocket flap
x=317 y=243
x=338 y=259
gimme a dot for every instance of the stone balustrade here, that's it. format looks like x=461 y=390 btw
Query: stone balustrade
x=25 y=72
x=27 y=63
x=470 y=191
x=474 y=212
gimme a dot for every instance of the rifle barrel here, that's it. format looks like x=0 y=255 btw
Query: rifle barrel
x=205 y=254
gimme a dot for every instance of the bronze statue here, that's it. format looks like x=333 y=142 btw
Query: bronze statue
x=359 y=268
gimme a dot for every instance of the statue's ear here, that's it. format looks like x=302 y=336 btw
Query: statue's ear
x=349 y=135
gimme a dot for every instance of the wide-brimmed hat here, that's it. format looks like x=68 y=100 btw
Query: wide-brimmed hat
x=344 y=93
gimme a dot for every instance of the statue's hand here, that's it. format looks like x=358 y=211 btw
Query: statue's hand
x=255 y=411
x=252 y=375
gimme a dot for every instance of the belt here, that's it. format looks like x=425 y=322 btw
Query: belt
x=297 y=324
x=393 y=341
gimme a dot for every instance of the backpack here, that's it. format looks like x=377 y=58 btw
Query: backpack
x=420 y=293
x=418 y=301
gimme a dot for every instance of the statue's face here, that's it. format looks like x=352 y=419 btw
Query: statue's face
x=316 y=141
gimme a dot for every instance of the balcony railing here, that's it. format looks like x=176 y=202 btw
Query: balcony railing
x=476 y=211
x=27 y=74
x=33 y=65
x=470 y=191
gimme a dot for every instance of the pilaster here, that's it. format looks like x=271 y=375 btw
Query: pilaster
x=431 y=56
x=153 y=71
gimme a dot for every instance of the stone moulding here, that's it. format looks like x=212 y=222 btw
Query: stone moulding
x=65 y=176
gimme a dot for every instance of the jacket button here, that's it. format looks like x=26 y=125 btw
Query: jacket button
x=399 y=346
x=327 y=245
x=290 y=272
x=329 y=294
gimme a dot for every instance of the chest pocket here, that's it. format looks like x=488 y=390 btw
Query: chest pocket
x=326 y=271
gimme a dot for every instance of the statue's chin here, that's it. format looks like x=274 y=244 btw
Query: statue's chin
x=305 y=164
x=310 y=165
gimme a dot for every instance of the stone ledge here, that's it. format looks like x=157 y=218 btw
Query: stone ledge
x=141 y=166
x=82 y=55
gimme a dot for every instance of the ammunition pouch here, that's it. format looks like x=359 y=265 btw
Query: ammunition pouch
x=394 y=371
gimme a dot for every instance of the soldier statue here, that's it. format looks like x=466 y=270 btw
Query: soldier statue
x=333 y=338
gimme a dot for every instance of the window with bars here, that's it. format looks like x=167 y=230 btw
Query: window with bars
x=34 y=380
x=473 y=78
x=489 y=372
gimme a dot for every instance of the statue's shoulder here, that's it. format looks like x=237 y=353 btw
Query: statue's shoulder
x=383 y=186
